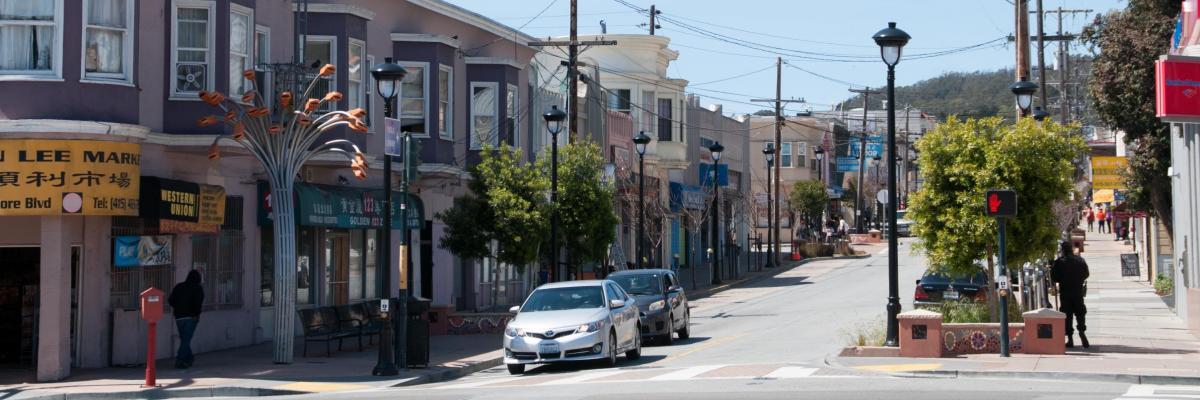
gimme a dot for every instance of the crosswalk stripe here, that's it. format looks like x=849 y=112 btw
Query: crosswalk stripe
x=686 y=373
x=584 y=377
x=481 y=382
x=1137 y=392
x=791 y=372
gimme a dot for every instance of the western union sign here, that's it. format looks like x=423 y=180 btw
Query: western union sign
x=1107 y=172
x=57 y=177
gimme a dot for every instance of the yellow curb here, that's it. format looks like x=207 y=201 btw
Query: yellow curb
x=899 y=367
x=318 y=387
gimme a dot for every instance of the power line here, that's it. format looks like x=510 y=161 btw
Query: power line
x=735 y=76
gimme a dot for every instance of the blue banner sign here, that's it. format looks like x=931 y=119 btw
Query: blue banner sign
x=847 y=164
x=687 y=196
x=706 y=174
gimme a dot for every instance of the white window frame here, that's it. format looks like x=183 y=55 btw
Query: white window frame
x=785 y=149
x=801 y=157
x=363 y=82
x=55 y=72
x=251 y=29
x=333 y=59
x=512 y=100
x=424 y=66
x=211 y=57
x=446 y=131
x=615 y=92
x=369 y=81
x=266 y=85
x=474 y=141
x=126 y=76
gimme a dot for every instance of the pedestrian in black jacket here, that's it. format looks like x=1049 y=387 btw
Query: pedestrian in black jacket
x=1070 y=272
x=186 y=300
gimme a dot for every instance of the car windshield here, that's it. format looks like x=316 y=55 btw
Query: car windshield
x=639 y=284
x=933 y=278
x=567 y=298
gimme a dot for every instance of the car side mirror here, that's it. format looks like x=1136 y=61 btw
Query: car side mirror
x=617 y=303
x=514 y=309
x=918 y=281
x=674 y=289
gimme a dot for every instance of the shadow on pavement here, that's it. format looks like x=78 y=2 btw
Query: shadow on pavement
x=778 y=282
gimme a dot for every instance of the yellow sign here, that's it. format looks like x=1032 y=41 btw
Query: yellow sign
x=1102 y=196
x=59 y=177
x=1106 y=172
x=212 y=205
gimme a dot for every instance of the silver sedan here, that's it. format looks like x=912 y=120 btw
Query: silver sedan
x=573 y=321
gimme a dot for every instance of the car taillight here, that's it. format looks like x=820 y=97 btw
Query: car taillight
x=920 y=294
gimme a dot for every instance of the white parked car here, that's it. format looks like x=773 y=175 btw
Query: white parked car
x=573 y=321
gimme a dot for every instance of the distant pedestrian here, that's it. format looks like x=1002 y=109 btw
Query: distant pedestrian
x=843 y=227
x=1100 y=218
x=1091 y=219
x=187 y=298
x=1108 y=220
x=1070 y=272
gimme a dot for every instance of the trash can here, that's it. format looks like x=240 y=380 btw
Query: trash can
x=418 y=332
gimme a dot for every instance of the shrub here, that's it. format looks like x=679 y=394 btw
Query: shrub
x=867 y=333
x=1164 y=285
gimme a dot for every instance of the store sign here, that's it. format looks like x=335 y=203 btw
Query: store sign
x=181 y=201
x=1106 y=172
x=847 y=164
x=706 y=178
x=1177 y=88
x=142 y=251
x=687 y=196
x=338 y=207
x=57 y=177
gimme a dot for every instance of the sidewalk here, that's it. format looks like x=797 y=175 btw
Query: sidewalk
x=248 y=371
x=1135 y=337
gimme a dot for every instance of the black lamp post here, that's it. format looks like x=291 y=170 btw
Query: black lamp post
x=769 y=151
x=716 y=150
x=1039 y=114
x=554 y=119
x=820 y=154
x=640 y=141
x=875 y=161
x=891 y=42
x=1024 y=90
x=387 y=79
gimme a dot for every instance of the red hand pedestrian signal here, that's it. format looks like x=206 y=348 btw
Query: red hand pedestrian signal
x=1001 y=203
x=994 y=203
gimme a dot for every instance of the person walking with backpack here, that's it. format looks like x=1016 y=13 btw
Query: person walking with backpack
x=1070 y=272
x=187 y=299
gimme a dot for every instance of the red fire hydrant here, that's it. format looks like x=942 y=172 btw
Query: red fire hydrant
x=152 y=311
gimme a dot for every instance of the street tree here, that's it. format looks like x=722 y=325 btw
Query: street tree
x=808 y=199
x=585 y=203
x=961 y=160
x=1122 y=88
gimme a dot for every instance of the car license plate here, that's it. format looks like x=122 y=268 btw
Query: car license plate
x=548 y=348
x=951 y=294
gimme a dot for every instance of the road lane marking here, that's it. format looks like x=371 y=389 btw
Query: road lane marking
x=686 y=373
x=704 y=346
x=481 y=382
x=791 y=372
x=899 y=367
x=584 y=377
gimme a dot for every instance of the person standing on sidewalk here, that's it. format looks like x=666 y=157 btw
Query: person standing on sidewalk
x=187 y=298
x=1100 y=215
x=1070 y=272
x=1091 y=219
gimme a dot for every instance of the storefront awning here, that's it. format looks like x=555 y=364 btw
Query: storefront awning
x=342 y=207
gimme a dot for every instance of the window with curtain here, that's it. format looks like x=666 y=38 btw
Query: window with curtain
x=510 y=117
x=664 y=120
x=192 y=48
x=445 y=112
x=356 y=94
x=28 y=36
x=785 y=155
x=241 y=37
x=107 y=41
x=262 y=56
x=483 y=114
x=412 y=99
x=319 y=51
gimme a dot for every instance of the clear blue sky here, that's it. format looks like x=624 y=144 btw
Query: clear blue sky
x=839 y=28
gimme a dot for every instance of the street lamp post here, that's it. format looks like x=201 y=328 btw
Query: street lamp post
x=554 y=119
x=878 y=207
x=640 y=141
x=891 y=41
x=1024 y=90
x=716 y=150
x=769 y=151
x=820 y=154
x=387 y=77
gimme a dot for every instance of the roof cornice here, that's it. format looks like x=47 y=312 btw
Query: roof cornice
x=472 y=18
x=494 y=61
x=327 y=8
x=426 y=38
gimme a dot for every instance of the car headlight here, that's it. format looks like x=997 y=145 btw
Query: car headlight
x=585 y=328
x=658 y=305
x=514 y=332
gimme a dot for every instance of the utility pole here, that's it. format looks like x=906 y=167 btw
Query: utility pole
x=862 y=157
x=1064 y=72
x=653 y=14
x=1064 y=104
x=778 y=147
x=1041 y=41
x=1022 y=37
x=572 y=64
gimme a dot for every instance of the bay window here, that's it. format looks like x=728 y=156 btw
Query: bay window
x=108 y=40
x=192 y=47
x=445 y=102
x=483 y=114
x=510 y=117
x=30 y=42
x=356 y=95
x=413 y=95
x=318 y=51
x=241 y=38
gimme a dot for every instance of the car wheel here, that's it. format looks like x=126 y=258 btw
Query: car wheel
x=669 y=338
x=685 y=332
x=636 y=353
x=611 y=360
x=516 y=369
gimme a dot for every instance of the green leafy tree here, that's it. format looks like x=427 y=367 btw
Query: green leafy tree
x=1122 y=88
x=585 y=204
x=504 y=216
x=808 y=199
x=961 y=160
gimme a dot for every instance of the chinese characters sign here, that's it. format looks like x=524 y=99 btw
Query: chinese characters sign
x=56 y=177
x=1106 y=172
x=336 y=207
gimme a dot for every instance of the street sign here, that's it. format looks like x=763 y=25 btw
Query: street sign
x=882 y=196
x=391 y=137
x=1002 y=283
x=1001 y=203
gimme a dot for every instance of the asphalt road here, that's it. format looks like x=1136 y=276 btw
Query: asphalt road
x=768 y=339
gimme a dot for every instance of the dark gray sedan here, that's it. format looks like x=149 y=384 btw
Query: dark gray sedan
x=663 y=304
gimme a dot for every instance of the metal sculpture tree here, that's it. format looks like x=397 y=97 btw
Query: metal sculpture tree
x=283 y=146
